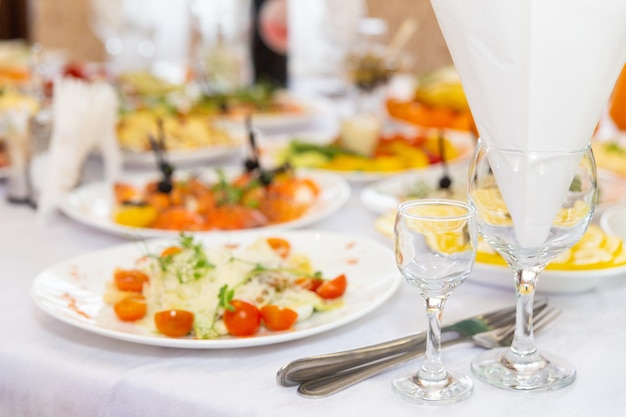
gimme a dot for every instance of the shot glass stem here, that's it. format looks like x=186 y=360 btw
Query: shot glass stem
x=433 y=371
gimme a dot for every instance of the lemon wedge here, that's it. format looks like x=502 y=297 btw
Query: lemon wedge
x=135 y=216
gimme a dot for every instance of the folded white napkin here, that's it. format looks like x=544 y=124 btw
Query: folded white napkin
x=537 y=75
x=83 y=120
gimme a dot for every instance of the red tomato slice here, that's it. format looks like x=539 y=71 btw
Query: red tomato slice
x=280 y=245
x=174 y=323
x=245 y=320
x=171 y=251
x=333 y=288
x=278 y=318
x=130 y=280
x=131 y=308
x=309 y=283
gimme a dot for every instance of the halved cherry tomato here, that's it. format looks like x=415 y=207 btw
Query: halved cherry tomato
x=333 y=288
x=245 y=320
x=130 y=279
x=281 y=246
x=278 y=318
x=309 y=283
x=131 y=308
x=170 y=251
x=174 y=323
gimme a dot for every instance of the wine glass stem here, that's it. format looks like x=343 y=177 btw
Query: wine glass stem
x=432 y=370
x=523 y=340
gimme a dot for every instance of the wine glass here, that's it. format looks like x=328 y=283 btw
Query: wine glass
x=530 y=207
x=435 y=247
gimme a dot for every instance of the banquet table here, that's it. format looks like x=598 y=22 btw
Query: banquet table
x=50 y=368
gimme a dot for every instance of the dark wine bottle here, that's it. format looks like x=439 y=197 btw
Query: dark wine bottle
x=269 y=42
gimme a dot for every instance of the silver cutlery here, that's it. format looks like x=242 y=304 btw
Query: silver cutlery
x=313 y=367
x=333 y=383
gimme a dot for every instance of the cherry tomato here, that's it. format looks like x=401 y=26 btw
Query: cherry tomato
x=281 y=246
x=130 y=280
x=170 y=251
x=174 y=323
x=278 y=318
x=333 y=288
x=131 y=308
x=309 y=283
x=244 y=321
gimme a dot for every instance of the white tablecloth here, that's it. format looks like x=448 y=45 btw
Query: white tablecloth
x=49 y=368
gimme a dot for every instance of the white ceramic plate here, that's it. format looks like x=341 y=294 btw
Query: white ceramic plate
x=4 y=172
x=72 y=291
x=311 y=109
x=385 y=195
x=550 y=282
x=93 y=204
x=462 y=141
x=613 y=221
x=183 y=156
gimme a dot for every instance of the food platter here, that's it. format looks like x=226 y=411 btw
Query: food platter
x=273 y=147
x=384 y=195
x=93 y=204
x=72 y=291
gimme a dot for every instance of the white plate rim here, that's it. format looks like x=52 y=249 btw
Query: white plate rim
x=335 y=192
x=380 y=290
x=183 y=156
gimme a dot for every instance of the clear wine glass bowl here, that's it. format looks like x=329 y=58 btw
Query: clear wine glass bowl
x=531 y=206
x=435 y=248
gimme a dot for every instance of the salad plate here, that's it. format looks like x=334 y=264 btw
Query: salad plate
x=274 y=148
x=72 y=291
x=93 y=204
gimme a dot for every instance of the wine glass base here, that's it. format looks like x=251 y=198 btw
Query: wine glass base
x=452 y=390
x=544 y=373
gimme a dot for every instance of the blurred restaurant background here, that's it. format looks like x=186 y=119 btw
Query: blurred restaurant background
x=70 y=26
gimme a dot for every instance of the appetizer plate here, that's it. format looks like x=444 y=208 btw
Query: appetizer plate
x=310 y=109
x=271 y=149
x=385 y=195
x=93 y=204
x=72 y=291
x=183 y=156
x=550 y=281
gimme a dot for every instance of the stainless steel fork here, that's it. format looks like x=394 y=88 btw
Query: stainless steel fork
x=330 y=384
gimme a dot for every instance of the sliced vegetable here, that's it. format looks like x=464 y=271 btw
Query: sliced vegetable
x=278 y=318
x=333 y=288
x=174 y=323
x=244 y=319
x=131 y=308
x=130 y=279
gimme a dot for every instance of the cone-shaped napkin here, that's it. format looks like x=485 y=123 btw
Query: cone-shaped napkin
x=537 y=75
x=84 y=117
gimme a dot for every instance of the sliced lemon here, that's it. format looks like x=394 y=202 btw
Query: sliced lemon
x=135 y=216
